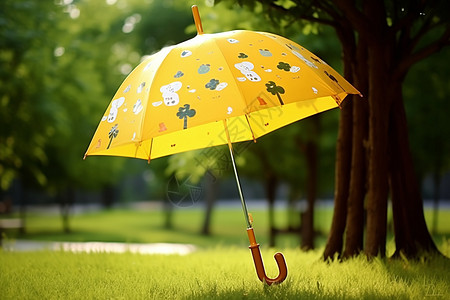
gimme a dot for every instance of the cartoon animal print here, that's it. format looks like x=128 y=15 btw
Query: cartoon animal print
x=204 y=68
x=114 y=110
x=275 y=89
x=178 y=74
x=162 y=127
x=284 y=66
x=184 y=112
x=186 y=53
x=265 y=52
x=307 y=62
x=169 y=93
x=246 y=68
x=212 y=84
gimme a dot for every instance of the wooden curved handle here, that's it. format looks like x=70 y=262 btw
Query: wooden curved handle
x=259 y=265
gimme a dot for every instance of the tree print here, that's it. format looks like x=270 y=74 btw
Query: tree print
x=113 y=134
x=273 y=88
x=184 y=112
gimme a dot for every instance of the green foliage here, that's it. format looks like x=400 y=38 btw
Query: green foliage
x=60 y=64
x=427 y=106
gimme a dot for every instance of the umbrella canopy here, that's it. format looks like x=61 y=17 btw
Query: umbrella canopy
x=217 y=89
x=176 y=99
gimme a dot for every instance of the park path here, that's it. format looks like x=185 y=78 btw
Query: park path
x=99 y=247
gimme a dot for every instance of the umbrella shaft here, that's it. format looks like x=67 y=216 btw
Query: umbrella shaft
x=244 y=205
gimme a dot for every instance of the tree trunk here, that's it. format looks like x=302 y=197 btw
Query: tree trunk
x=212 y=186
x=378 y=189
x=354 y=237
x=307 y=227
x=168 y=208
x=108 y=196
x=335 y=240
x=67 y=199
x=411 y=232
x=343 y=162
x=271 y=189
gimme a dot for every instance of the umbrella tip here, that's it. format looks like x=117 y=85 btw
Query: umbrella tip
x=197 y=20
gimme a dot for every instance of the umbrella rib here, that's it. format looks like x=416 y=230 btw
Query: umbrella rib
x=250 y=127
x=150 y=150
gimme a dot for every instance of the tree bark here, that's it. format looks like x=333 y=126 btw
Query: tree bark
x=411 y=233
x=307 y=227
x=271 y=190
x=67 y=199
x=335 y=240
x=378 y=189
x=212 y=186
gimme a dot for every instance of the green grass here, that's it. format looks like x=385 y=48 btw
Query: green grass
x=227 y=227
x=221 y=273
x=132 y=226
x=222 y=268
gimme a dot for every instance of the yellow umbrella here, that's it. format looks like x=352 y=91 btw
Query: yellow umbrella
x=217 y=89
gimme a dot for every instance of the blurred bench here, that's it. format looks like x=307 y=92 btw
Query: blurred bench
x=8 y=224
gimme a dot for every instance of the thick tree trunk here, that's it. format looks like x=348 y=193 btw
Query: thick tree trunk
x=354 y=238
x=411 y=232
x=343 y=161
x=335 y=241
x=378 y=189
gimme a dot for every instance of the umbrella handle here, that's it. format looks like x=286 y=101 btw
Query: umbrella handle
x=259 y=265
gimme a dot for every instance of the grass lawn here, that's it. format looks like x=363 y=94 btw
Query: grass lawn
x=221 y=273
x=222 y=268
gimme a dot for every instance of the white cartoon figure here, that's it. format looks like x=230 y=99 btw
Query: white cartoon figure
x=115 y=104
x=309 y=63
x=246 y=68
x=169 y=94
x=137 y=107
x=221 y=86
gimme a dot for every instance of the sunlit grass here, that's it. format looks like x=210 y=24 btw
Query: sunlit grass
x=221 y=268
x=215 y=273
